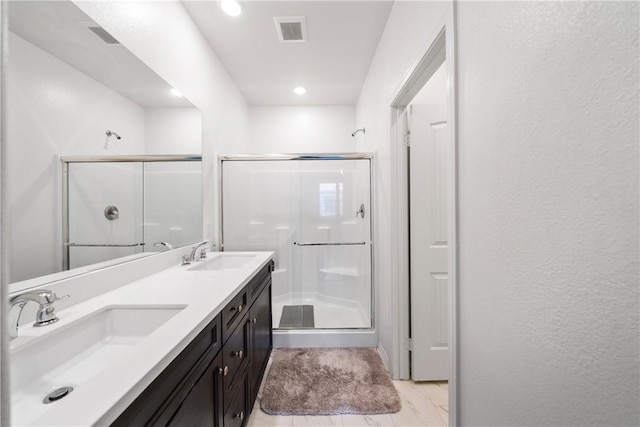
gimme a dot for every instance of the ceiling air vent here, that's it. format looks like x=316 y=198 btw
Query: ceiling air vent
x=102 y=33
x=291 y=28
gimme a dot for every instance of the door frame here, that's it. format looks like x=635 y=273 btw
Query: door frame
x=442 y=43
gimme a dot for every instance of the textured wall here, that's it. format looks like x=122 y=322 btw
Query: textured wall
x=410 y=29
x=548 y=174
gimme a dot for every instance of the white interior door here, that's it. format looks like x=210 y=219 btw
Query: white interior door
x=428 y=219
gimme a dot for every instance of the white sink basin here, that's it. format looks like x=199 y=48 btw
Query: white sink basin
x=223 y=262
x=74 y=353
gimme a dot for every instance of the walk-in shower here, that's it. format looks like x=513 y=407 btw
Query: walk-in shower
x=314 y=212
x=120 y=206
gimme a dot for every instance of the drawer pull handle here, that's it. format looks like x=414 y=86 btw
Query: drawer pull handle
x=254 y=320
x=238 y=308
x=240 y=415
x=224 y=371
x=238 y=354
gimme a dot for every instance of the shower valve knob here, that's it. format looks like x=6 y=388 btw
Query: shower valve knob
x=111 y=212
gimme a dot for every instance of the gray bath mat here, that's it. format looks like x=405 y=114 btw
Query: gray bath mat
x=328 y=381
x=297 y=316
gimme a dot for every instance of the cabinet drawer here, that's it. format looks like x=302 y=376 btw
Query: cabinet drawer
x=236 y=414
x=235 y=356
x=233 y=313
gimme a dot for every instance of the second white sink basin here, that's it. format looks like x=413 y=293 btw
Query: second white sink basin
x=223 y=262
x=74 y=353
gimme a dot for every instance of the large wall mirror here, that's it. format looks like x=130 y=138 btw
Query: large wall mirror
x=103 y=155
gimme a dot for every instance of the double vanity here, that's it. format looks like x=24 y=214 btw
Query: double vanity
x=186 y=345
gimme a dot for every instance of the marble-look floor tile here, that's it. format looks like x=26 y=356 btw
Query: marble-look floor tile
x=444 y=414
x=417 y=409
x=260 y=419
x=316 y=420
x=264 y=377
x=381 y=420
x=437 y=392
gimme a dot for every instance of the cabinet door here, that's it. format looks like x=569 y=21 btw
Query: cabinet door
x=158 y=403
x=202 y=407
x=261 y=340
x=237 y=412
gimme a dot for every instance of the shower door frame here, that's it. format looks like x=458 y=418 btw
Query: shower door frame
x=303 y=157
x=66 y=160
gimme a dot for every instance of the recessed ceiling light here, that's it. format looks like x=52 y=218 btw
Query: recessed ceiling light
x=175 y=92
x=231 y=7
x=300 y=90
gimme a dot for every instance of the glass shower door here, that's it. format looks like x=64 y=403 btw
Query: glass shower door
x=105 y=212
x=314 y=214
x=332 y=248
x=172 y=203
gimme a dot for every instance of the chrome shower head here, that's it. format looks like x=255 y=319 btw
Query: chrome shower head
x=109 y=133
x=358 y=130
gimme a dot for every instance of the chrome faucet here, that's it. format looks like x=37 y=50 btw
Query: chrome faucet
x=203 y=253
x=46 y=312
x=166 y=244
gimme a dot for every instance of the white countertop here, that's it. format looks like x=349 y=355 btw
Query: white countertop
x=99 y=400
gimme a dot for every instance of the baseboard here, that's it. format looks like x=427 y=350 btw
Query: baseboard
x=385 y=358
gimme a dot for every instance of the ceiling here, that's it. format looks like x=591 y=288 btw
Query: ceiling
x=61 y=29
x=332 y=65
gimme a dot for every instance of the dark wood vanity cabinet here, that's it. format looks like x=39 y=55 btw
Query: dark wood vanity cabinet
x=196 y=409
x=254 y=331
x=261 y=339
x=214 y=381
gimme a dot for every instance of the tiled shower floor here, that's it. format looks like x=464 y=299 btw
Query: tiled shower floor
x=327 y=315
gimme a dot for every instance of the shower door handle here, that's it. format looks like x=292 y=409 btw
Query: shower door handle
x=329 y=244
x=360 y=211
x=99 y=245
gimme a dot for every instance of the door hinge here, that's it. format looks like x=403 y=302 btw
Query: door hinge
x=409 y=344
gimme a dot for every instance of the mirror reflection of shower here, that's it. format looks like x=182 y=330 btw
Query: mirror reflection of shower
x=355 y=132
x=149 y=202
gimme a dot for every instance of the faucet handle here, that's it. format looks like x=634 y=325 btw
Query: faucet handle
x=203 y=253
x=186 y=259
x=46 y=312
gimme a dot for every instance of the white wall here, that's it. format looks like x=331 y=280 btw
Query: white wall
x=548 y=174
x=44 y=94
x=164 y=37
x=313 y=129
x=410 y=28
x=548 y=200
x=173 y=131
